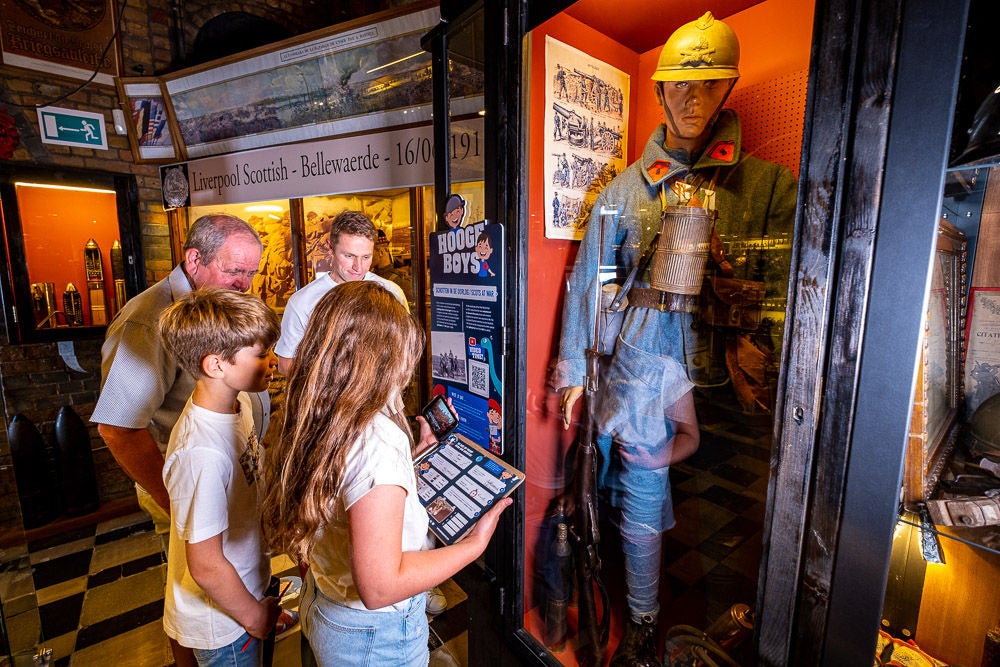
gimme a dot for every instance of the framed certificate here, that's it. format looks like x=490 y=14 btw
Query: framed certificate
x=934 y=423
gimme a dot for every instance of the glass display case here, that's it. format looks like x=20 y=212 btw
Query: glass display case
x=689 y=437
x=72 y=248
x=790 y=507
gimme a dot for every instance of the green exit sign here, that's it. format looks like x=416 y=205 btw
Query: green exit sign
x=69 y=127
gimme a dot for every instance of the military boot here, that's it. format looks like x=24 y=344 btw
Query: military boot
x=638 y=646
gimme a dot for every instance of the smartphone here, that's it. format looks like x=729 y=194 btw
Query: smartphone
x=440 y=416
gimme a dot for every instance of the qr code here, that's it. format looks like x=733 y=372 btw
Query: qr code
x=479 y=378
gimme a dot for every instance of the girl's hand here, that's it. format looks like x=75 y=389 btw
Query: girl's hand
x=484 y=529
x=427 y=437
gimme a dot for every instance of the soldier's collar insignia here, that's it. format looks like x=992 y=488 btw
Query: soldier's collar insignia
x=657 y=169
x=722 y=150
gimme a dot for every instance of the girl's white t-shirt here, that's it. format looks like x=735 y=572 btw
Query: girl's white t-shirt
x=381 y=457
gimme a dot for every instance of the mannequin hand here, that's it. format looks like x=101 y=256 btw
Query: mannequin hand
x=568 y=400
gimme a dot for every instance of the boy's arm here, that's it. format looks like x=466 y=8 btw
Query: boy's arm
x=216 y=575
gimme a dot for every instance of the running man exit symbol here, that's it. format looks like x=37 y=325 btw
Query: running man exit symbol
x=69 y=127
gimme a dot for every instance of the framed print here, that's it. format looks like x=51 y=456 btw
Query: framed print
x=982 y=351
x=586 y=132
x=150 y=131
x=70 y=39
x=934 y=423
x=353 y=77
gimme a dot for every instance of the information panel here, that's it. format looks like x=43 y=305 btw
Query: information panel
x=467 y=324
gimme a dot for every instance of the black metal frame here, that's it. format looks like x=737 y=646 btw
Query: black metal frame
x=923 y=106
x=15 y=290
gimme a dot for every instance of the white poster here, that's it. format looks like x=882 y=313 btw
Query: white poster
x=586 y=121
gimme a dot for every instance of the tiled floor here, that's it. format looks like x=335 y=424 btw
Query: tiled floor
x=100 y=600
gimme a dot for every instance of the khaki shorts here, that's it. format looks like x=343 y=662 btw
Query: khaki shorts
x=161 y=520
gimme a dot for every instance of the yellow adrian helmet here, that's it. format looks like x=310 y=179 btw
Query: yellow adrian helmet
x=702 y=49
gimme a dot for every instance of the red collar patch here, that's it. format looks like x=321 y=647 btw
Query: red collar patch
x=657 y=169
x=722 y=150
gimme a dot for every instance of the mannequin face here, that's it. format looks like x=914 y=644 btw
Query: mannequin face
x=689 y=108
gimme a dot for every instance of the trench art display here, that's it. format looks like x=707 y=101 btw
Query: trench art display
x=934 y=423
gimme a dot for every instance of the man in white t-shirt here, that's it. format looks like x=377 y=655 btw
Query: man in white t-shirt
x=352 y=243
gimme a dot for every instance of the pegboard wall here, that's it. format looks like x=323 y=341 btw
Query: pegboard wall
x=771 y=116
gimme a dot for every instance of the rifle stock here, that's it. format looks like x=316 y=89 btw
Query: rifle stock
x=592 y=633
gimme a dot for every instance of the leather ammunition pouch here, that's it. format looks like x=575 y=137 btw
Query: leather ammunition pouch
x=643 y=297
x=732 y=303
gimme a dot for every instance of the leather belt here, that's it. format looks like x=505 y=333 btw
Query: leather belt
x=644 y=297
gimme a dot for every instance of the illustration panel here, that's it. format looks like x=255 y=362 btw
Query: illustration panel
x=586 y=121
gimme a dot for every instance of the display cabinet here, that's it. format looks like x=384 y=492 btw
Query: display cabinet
x=870 y=150
x=72 y=250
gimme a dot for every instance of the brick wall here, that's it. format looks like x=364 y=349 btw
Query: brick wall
x=34 y=379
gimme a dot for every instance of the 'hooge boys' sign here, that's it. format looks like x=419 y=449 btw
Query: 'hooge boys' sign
x=467 y=341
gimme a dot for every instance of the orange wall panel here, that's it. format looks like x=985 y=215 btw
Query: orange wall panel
x=56 y=225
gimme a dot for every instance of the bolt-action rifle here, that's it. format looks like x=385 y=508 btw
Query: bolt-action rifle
x=592 y=631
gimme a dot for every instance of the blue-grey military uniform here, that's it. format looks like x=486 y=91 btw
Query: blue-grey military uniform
x=647 y=372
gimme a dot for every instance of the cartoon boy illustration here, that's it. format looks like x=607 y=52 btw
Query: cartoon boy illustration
x=493 y=415
x=484 y=248
x=454 y=211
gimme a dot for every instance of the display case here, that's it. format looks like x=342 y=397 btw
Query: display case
x=72 y=251
x=870 y=159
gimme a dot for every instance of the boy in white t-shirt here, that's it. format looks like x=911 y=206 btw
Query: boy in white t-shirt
x=217 y=569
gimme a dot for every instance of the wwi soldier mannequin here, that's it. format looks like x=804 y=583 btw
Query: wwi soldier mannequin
x=644 y=412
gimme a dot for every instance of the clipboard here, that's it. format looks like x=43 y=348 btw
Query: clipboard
x=457 y=482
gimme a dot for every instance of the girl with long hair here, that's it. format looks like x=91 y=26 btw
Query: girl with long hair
x=341 y=491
